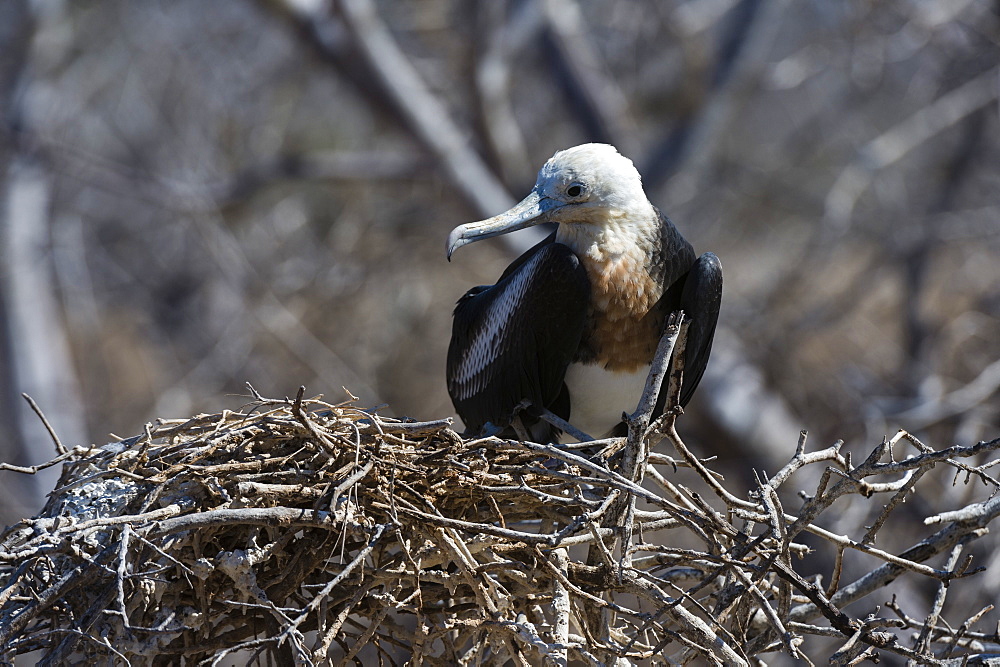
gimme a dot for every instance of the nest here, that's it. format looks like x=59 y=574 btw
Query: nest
x=317 y=533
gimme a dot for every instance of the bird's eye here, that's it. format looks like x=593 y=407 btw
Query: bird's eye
x=574 y=190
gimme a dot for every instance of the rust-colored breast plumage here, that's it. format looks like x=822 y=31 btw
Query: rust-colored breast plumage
x=625 y=323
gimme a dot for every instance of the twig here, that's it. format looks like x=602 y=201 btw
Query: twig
x=561 y=607
x=924 y=639
x=60 y=448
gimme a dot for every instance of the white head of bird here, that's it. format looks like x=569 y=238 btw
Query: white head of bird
x=591 y=190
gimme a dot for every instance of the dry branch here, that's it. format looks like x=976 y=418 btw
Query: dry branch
x=317 y=533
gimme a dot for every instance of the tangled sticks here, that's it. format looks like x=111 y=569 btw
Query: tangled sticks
x=320 y=533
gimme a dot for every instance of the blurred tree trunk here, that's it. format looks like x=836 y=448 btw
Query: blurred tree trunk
x=33 y=345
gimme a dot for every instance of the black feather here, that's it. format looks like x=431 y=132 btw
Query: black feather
x=544 y=296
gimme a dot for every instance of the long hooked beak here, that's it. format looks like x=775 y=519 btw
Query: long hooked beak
x=532 y=210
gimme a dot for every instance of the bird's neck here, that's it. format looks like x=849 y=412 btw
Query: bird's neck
x=612 y=233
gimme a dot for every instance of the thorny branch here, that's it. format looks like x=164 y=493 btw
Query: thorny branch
x=319 y=532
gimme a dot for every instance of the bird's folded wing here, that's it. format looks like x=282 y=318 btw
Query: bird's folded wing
x=700 y=301
x=514 y=340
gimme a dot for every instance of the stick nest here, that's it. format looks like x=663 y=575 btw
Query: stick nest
x=319 y=533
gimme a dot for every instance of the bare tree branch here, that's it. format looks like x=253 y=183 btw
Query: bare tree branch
x=308 y=516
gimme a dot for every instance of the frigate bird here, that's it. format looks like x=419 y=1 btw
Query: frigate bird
x=572 y=325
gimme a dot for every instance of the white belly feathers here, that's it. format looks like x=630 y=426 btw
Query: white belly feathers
x=598 y=396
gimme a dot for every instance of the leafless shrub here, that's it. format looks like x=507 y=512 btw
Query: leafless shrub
x=319 y=533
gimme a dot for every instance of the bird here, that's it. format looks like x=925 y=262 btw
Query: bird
x=572 y=325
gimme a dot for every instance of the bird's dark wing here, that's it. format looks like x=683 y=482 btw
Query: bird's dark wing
x=700 y=301
x=513 y=340
x=671 y=259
